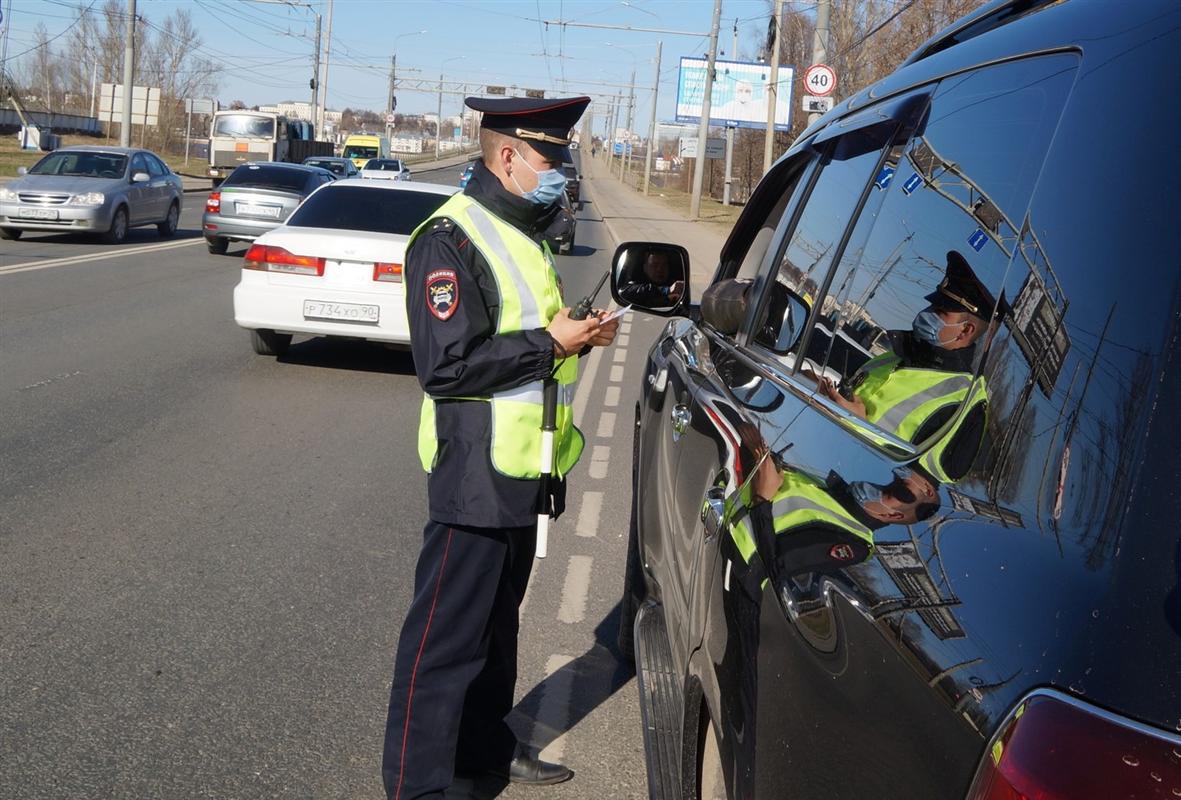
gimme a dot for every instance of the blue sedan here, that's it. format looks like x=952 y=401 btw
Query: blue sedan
x=466 y=176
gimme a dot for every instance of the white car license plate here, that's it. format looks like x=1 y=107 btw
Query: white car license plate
x=251 y=210
x=38 y=213
x=344 y=312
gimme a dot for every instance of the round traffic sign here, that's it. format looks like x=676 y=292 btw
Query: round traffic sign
x=390 y=118
x=820 y=80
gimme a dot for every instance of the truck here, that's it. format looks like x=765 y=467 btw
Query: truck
x=238 y=136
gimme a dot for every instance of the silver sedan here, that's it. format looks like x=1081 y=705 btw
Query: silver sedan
x=82 y=189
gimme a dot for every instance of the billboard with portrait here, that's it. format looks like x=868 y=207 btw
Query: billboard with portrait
x=739 y=97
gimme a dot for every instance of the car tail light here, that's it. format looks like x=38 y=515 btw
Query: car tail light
x=268 y=258
x=1057 y=748
x=213 y=204
x=387 y=271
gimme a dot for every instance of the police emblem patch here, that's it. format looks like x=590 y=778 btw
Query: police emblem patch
x=841 y=552
x=442 y=293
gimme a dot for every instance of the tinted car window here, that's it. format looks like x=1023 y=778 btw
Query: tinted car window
x=139 y=163
x=358 y=208
x=804 y=263
x=337 y=167
x=268 y=177
x=156 y=167
x=914 y=299
x=80 y=163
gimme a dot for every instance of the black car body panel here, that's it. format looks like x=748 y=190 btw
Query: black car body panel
x=1052 y=557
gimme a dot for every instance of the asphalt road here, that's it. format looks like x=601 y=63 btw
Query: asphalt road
x=205 y=555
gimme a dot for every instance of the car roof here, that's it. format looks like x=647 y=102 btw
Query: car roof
x=398 y=186
x=327 y=158
x=102 y=148
x=281 y=165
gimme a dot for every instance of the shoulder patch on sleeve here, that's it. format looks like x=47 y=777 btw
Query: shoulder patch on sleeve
x=442 y=293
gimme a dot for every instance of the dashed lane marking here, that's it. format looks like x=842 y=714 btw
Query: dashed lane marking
x=588 y=515
x=621 y=340
x=29 y=266
x=606 y=425
x=553 y=713
x=616 y=373
x=611 y=397
x=575 y=590
x=586 y=381
x=600 y=457
x=620 y=354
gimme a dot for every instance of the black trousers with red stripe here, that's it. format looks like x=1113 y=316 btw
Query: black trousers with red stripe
x=456 y=664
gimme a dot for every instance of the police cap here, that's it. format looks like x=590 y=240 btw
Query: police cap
x=961 y=290
x=544 y=124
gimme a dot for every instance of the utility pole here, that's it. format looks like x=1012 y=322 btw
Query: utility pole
x=315 y=84
x=4 y=43
x=128 y=75
x=773 y=89
x=652 y=122
x=389 y=101
x=439 y=118
x=625 y=156
x=820 y=41
x=730 y=133
x=703 y=127
x=612 y=115
x=324 y=78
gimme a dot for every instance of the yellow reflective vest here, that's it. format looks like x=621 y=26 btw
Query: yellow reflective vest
x=530 y=296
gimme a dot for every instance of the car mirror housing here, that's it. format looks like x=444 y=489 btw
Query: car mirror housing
x=141 y=177
x=651 y=276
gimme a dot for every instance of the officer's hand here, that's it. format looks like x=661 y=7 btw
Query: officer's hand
x=571 y=335
x=829 y=390
x=605 y=334
x=675 y=291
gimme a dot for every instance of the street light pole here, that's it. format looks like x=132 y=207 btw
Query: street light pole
x=324 y=79
x=625 y=155
x=128 y=75
x=439 y=118
x=703 y=127
x=652 y=122
x=730 y=134
x=773 y=89
x=820 y=41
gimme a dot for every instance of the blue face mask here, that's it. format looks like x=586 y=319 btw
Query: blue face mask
x=927 y=326
x=550 y=184
x=865 y=493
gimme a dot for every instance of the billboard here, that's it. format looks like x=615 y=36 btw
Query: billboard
x=740 y=96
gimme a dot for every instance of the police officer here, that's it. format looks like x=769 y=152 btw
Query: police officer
x=915 y=389
x=487 y=326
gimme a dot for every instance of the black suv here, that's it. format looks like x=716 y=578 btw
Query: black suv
x=573 y=184
x=905 y=522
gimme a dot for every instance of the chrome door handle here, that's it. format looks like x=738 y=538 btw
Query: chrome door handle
x=681 y=417
x=713 y=512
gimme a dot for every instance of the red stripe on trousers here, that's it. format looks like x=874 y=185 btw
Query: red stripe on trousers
x=414 y=672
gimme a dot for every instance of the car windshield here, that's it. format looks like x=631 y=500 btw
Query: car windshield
x=386 y=166
x=357 y=151
x=267 y=177
x=80 y=163
x=570 y=171
x=358 y=208
x=334 y=166
x=244 y=125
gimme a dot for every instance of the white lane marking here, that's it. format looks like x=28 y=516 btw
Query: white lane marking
x=600 y=456
x=621 y=340
x=611 y=397
x=620 y=354
x=616 y=373
x=553 y=712
x=29 y=266
x=606 y=425
x=588 y=515
x=575 y=590
x=61 y=376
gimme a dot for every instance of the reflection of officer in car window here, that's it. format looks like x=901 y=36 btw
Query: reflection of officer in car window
x=914 y=390
x=653 y=286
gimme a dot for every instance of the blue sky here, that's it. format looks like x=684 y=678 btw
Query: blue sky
x=500 y=41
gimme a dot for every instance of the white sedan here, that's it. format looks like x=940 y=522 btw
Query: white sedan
x=334 y=268
x=390 y=169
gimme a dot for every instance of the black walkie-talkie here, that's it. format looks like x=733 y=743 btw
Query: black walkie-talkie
x=584 y=305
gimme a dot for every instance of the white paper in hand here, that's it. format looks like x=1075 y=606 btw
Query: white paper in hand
x=616 y=314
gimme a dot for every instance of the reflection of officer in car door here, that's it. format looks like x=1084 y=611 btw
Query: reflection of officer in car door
x=914 y=390
x=487 y=326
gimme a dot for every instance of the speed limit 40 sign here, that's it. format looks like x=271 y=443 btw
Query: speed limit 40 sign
x=820 y=80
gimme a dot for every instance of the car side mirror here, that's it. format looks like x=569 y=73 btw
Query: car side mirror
x=651 y=276
x=22 y=171
x=141 y=177
x=783 y=320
